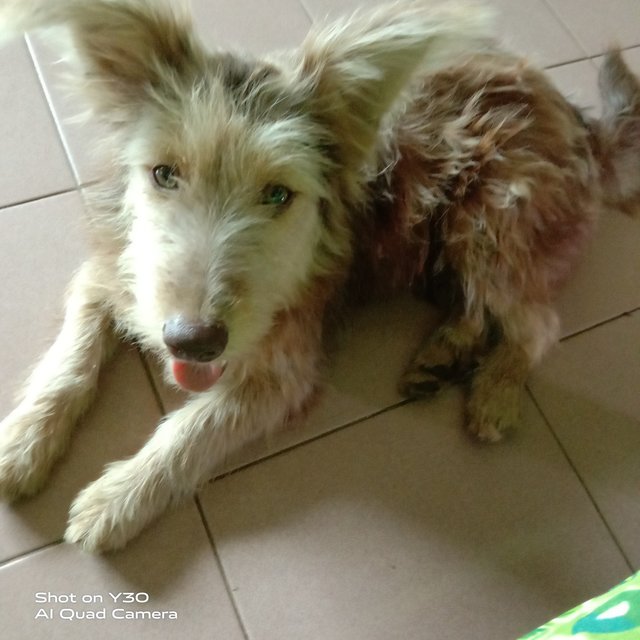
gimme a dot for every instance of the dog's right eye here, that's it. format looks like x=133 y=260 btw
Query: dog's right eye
x=165 y=176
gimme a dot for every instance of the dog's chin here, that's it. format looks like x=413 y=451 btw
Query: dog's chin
x=196 y=377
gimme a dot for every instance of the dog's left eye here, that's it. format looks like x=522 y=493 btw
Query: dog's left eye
x=276 y=195
x=165 y=176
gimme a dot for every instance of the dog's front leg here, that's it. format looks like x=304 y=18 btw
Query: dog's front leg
x=183 y=453
x=60 y=388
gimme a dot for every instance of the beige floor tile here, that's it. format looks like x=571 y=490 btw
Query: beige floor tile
x=173 y=566
x=80 y=135
x=525 y=26
x=322 y=10
x=606 y=281
x=578 y=82
x=374 y=348
x=530 y=28
x=33 y=160
x=115 y=428
x=589 y=390
x=632 y=56
x=597 y=24
x=41 y=245
x=605 y=284
x=251 y=25
x=400 y=527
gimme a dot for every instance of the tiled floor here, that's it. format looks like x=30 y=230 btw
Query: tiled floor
x=377 y=519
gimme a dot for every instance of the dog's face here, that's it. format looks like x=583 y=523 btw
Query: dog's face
x=239 y=175
x=224 y=204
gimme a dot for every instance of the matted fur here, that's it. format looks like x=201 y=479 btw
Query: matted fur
x=418 y=155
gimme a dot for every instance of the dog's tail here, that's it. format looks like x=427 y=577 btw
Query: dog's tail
x=620 y=140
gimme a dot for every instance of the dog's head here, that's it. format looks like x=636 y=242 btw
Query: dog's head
x=240 y=174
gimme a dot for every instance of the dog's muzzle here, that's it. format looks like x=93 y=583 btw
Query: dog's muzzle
x=194 y=341
x=195 y=346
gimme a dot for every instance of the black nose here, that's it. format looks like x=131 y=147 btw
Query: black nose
x=194 y=340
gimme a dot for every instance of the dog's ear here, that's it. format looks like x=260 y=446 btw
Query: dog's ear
x=358 y=67
x=119 y=50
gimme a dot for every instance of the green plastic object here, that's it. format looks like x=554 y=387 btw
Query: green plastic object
x=612 y=616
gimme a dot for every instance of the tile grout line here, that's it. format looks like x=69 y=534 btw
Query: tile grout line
x=353 y=422
x=630 y=47
x=588 y=58
x=582 y=481
x=47 y=95
x=566 y=63
x=223 y=573
x=307 y=12
x=597 y=325
x=319 y=436
x=53 y=194
x=151 y=381
x=196 y=499
x=26 y=554
x=565 y=27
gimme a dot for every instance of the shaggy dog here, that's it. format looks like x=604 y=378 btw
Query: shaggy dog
x=250 y=198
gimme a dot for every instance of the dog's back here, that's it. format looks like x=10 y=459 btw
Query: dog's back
x=488 y=157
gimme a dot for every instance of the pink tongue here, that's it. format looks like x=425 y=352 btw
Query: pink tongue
x=194 y=376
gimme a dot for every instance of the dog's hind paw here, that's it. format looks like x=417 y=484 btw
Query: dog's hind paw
x=445 y=358
x=487 y=430
x=491 y=415
x=423 y=380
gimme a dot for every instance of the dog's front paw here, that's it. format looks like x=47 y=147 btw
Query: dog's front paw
x=112 y=510
x=26 y=455
x=419 y=381
x=100 y=519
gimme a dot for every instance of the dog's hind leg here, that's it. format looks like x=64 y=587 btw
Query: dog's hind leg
x=446 y=356
x=60 y=388
x=496 y=391
x=498 y=384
